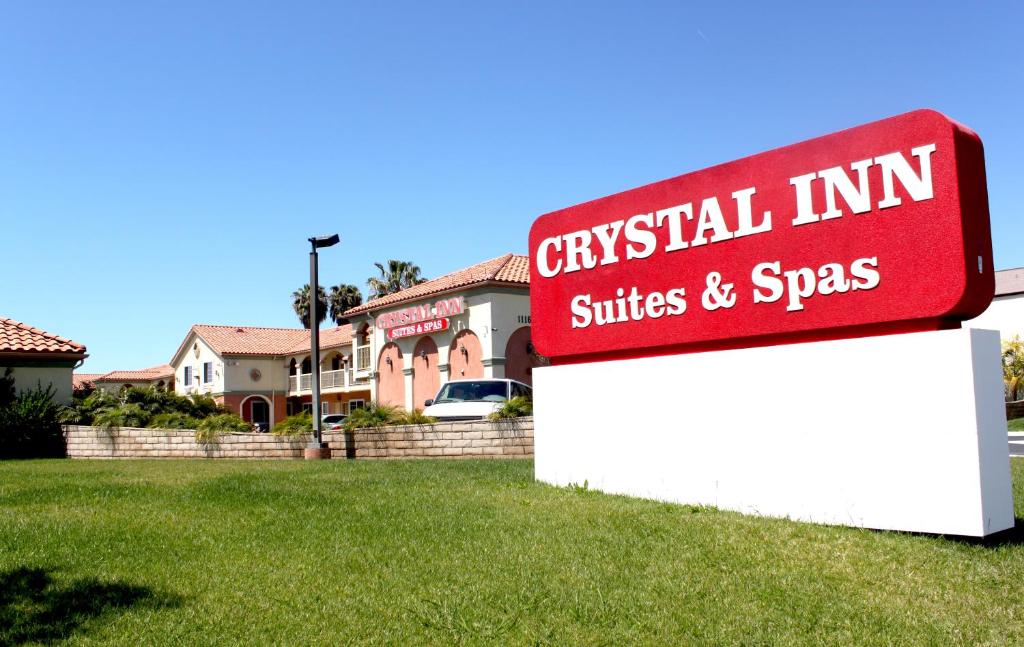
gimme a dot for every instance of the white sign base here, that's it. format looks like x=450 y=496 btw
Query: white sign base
x=900 y=432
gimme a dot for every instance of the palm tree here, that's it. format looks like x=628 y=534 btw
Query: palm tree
x=342 y=298
x=398 y=276
x=300 y=302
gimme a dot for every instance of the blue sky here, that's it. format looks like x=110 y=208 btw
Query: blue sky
x=163 y=163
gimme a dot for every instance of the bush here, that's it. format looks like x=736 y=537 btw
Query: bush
x=29 y=422
x=374 y=415
x=126 y=415
x=210 y=428
x=514 y=408
x=415 y=417
x=300 y=423
x=139 y=407
x=85 y=407
x=173 y=421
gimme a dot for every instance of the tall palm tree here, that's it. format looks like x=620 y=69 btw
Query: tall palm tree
x=342 y=298
x=398 y=276
x=300 y=302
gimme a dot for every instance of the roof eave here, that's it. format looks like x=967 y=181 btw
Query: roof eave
x=461 y=288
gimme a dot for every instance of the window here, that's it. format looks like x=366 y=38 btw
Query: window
x=188 y=375
x=521 y=390
x=325 y=408
x=307 y=407
x=356 y=404
x=208 y=372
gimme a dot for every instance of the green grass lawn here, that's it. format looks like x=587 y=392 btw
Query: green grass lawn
x=442 y=552
x=1017 y=424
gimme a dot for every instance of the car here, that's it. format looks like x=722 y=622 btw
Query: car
x=332 y=421
x=473 y=399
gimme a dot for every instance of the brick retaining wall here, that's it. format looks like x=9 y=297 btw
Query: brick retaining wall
x=483 y=439
x=132 y=442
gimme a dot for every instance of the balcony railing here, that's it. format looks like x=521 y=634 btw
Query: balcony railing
x=328 y=380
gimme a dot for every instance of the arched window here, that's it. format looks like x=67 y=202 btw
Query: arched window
x=307 y=366
x=292 y=366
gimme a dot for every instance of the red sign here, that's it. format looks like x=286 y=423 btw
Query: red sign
x=418 y=328
x=880 y=228
x=422 y=312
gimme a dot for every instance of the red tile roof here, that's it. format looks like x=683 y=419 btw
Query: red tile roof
x=329 y=338
x=254 y=340
x=142 y=375
x=510 y=269
x=16 y=337
x=79 y=380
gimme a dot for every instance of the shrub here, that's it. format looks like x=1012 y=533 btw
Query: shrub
x=211 y=427
x=29 y=423
x=139 y=406
x=126 y=415
x=300 y=423
x=514 y=408
x=173 y=420
x=374 y=415
x=415 y=417
x=85 y=407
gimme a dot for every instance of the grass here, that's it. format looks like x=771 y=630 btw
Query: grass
x=1017 y=424
x=461 y=552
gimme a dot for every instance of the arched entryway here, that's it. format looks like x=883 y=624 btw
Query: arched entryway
x=255 y=409
x=391 y=382
x=465 y=356
x=426 y=378
x=521 y=357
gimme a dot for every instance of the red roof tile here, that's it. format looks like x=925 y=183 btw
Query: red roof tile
x=510 y=269
x=16 y=337
x=80 y=380
x=142 y=374
x=329 y=338
x=253 y=340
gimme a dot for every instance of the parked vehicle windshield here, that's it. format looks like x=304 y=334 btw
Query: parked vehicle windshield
x=485 y=391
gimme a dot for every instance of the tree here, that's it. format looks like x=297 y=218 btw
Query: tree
x=1013 y=367
x=342 y=298
x=300 y=302
x=398 y=276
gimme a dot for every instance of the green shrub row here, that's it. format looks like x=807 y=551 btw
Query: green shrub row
x=29 y=422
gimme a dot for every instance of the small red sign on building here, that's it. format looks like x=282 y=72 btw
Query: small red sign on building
x=418 y=328
x=880 y=228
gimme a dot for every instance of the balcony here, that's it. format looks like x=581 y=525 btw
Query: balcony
x=340 y=379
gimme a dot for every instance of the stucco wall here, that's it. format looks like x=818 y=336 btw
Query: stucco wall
x=238 y=375
x=189 y=358
x=27 y=378
x=493 y=315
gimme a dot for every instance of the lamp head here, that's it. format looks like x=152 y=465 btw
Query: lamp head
x=324 y=241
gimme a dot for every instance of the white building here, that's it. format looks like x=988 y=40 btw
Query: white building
x=265 y=374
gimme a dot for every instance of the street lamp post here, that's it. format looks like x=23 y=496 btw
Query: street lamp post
x=316 y=445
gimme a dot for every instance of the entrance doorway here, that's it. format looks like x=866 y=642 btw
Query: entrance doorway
x=260 y=412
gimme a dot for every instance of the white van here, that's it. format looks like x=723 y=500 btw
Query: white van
x=473 y=399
